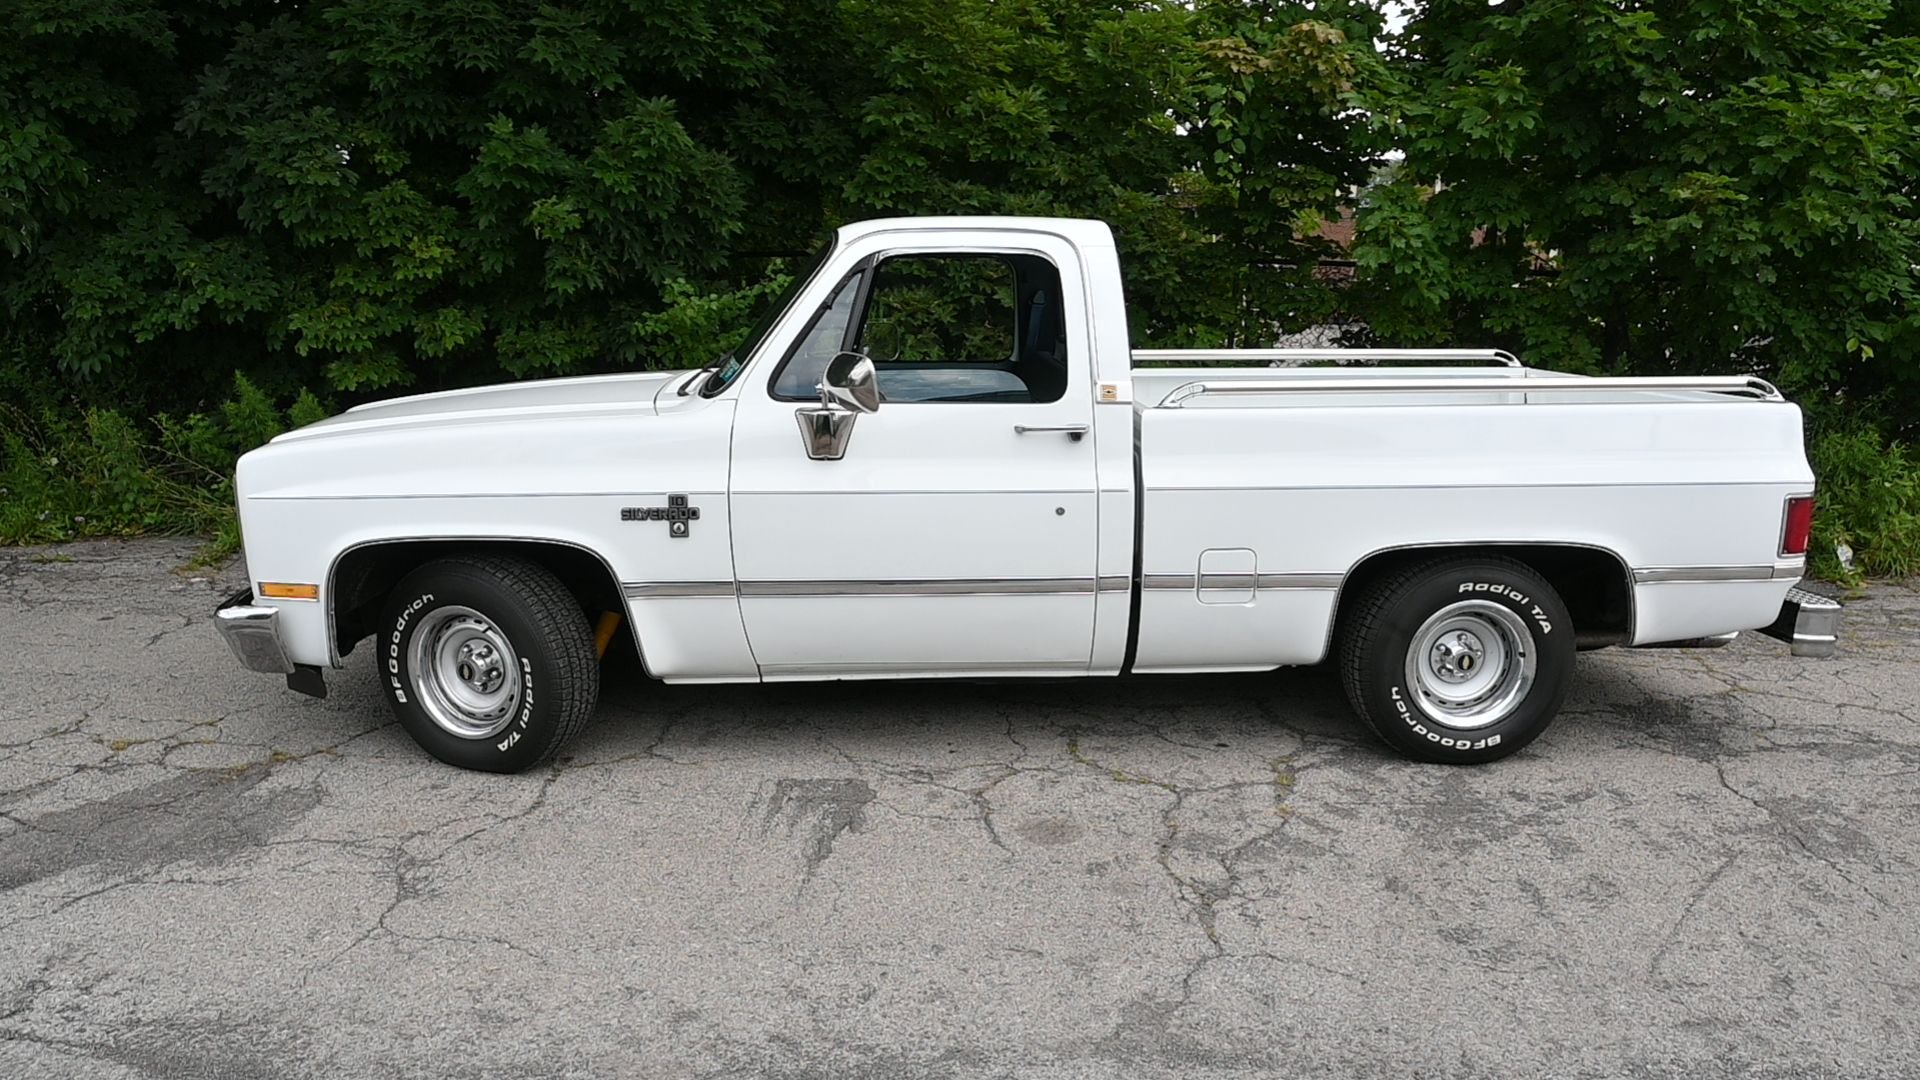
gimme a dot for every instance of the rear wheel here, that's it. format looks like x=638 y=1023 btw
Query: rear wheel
x=1460 y=660
x=488 y=663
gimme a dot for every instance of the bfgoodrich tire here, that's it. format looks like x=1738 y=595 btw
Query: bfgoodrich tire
x=1457 y=660
x=488 y=662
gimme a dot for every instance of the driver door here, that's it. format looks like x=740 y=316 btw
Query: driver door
x=956 y=533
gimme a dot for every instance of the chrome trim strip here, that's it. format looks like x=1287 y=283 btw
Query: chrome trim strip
x=657 y=590
x=1741 y=385
x=486 y=495
x=924 y=587
x=1711 y=641
x=941 y=666
x=1301 y=581
x=1188 y=582
x=1035 y=492
x=1296 y=357
x=1501 y=485
x=1680 y=575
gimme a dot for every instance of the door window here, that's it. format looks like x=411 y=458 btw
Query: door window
x=944 y=328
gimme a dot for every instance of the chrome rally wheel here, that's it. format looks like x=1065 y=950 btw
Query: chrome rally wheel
x=465 y=672
x=1471 y=663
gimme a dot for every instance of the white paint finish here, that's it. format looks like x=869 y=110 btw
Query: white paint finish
x=924 y=490
x=1676 y=612
x=1113 y=438
x=692 y=639
x=1318 y=490
x=1294 y=483
x=1178 y=633
x=593 y=395
x=932 y=635
x=539 y=456
x=553 y=478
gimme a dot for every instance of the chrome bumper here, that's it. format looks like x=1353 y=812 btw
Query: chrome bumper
x=253 y=633
x=1809 y=622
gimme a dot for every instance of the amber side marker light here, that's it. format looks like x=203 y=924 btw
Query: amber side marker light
x=286 y=590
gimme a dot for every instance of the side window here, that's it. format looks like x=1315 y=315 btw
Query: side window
x=801 y=373
x=941 y=309
x=943 y=328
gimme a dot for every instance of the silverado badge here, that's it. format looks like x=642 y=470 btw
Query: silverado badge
x=677 y=514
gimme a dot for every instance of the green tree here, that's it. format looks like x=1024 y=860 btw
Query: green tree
x=363 y=195
x=1659 y=185
x=1212 y=135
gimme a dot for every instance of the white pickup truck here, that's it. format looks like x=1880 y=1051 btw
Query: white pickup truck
x=938 y=455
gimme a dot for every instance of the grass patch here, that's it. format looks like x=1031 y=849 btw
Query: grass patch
x=98 y=473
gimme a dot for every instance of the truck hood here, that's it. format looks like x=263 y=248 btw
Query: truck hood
x=539 y=399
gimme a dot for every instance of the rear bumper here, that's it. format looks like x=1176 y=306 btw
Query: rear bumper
x=1809 y=622
x=253 y=633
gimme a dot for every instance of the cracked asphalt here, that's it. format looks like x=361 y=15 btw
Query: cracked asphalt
x=1706 y=869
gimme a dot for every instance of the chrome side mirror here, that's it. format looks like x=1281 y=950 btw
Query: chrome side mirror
x=848 y=388
x=851 y=383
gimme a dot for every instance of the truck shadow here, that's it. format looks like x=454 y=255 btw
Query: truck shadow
x=1304 y=706
x=1201 y=709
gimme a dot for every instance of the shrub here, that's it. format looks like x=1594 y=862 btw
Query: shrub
x=97 y=472
x=1869 y=500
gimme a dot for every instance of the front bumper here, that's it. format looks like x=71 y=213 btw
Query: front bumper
x=1809 y=622
x=253 y=633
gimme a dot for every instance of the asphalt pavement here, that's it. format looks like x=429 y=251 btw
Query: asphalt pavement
x=1707 y=868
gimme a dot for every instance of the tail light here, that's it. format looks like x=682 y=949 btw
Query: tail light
x=1798 y=525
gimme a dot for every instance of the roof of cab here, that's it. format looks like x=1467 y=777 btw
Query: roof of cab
x=1080 y=232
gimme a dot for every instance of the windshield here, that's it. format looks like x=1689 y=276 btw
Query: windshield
x=734 y=362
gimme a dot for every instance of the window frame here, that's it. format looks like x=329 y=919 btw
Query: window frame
x=864 y=271
x=869 y=270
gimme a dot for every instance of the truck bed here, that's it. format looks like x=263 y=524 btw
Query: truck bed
x=1299 y=475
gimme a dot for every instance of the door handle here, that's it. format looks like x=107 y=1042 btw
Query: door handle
x=1076 y=432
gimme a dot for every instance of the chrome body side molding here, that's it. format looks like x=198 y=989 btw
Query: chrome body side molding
x=1676 y=575
x=661 y=590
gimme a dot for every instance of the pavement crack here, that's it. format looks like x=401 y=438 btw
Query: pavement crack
x=1784 y=826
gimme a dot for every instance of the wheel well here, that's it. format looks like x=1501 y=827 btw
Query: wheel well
x=364 y=575
x=1593 y=582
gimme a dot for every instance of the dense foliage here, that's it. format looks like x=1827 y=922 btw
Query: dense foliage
x=352 y=197
x=1674 y=185
x=361 y=195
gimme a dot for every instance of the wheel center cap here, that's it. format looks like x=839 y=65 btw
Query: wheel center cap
x=479 y=667
x=1457 y=656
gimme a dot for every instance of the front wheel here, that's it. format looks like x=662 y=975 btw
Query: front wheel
x=488 y=663
x=1457 y=660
